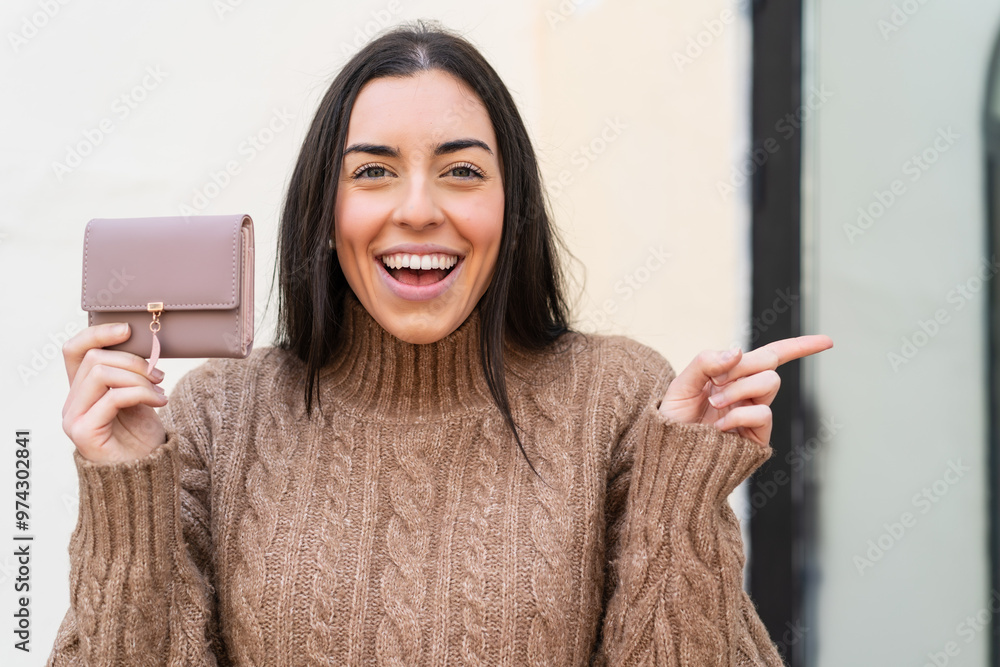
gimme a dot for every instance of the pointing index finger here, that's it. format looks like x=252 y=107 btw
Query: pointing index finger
x=789 y=349
x=775 y=354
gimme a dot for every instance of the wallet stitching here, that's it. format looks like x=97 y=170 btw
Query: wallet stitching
x=86 y=253
x=236 y=311
x=244 y=323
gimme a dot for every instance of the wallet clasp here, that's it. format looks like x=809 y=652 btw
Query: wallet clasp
x=155 y=307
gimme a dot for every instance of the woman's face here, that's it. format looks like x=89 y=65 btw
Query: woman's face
x=420 y=204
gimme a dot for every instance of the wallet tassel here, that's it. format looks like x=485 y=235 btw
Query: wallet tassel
x=155 y=308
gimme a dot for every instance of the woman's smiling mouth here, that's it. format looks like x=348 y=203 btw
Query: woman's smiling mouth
x=412 y=269
x=418 y=284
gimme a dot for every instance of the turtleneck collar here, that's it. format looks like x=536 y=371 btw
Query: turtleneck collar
x=377 y=374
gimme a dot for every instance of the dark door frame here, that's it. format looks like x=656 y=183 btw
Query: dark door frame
x=782 y=530
x=991 y=141
x=780 y=498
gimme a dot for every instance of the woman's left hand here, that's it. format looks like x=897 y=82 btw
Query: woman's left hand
x=735 y=392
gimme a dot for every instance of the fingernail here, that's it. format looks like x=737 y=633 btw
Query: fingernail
x=716 y=400
x=121 y=329
x=157 y=374
x=159 y=390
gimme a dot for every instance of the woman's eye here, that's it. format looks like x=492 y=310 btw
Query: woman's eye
x=465 y=171
x=372 y=171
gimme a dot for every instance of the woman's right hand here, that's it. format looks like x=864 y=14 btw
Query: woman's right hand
x=109 y=412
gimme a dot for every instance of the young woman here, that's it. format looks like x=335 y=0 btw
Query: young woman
x=430 y=467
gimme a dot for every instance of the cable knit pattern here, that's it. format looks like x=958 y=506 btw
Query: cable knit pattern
x=327 y=609
x=404 y=584
x=482 y=495
x=265 y=488
x=550 y=519
x=398 y=524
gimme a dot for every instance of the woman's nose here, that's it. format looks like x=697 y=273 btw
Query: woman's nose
x=418 y=207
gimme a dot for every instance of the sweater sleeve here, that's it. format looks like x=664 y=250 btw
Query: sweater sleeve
x=674 y=593
x=140 y=555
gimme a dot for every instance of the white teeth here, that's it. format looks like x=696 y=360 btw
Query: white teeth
x=406 y=261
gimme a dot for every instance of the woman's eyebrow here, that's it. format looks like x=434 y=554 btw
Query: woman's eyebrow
x=458 y=144
x=452 y=146
x=373 y=149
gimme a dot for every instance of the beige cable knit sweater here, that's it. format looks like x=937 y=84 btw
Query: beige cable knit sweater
x=400 y=524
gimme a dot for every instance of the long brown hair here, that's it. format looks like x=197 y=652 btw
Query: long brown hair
x=524 y=302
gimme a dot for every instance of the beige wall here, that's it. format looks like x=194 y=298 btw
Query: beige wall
x=664 y=252
x=183 y=85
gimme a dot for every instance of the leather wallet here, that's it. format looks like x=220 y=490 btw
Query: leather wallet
x=184 y=284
